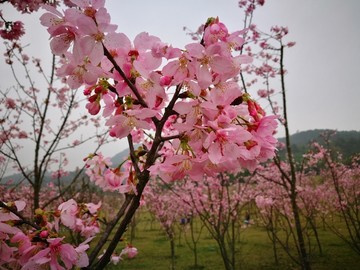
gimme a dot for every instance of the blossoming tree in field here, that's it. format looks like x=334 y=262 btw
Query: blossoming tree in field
x=184 y=107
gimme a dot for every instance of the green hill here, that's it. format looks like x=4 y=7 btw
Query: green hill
x=345 y=142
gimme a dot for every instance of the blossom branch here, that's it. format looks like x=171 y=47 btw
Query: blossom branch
x=23 y=219
x=126 y=79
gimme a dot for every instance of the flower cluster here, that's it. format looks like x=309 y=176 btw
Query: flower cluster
x=80 y=218
x=13 y=30
x=250 y=5
x=189 y=99
x=118 y=179
x=129 y=252
x=43 y=246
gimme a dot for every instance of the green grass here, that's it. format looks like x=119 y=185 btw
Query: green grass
x=255 y=251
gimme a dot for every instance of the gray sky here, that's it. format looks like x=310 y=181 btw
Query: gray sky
x=322 y=83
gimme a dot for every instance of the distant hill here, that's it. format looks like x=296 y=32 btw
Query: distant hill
x=345 y=142
x=18 y=177
x=120 y=157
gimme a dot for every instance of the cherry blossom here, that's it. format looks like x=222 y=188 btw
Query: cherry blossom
x=13 y=30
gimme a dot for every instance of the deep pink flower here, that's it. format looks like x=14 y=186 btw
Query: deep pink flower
x=93 y=107
x=13 y=30
x=10 y=103
x=215 y=31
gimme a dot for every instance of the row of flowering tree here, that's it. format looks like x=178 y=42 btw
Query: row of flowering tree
x=184 y=107
x=216 y=203
x=327 y=198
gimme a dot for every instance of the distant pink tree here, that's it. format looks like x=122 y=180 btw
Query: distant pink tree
x=218 y=202
x=269 y=71
x=167 y=209
x=342 y=186
x=170 y=205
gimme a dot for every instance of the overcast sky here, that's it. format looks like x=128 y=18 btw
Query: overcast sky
x=323 y=79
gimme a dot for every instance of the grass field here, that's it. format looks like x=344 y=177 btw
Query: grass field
x=255 y=251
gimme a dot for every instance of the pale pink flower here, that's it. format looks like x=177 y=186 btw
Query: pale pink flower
x=7 y=229
x=160 y=49
x=23 y=244
x=68 y=212
x=6 y=253
x=80 y=69
x=7 y=215
x=179 y=69
x=173 y=167
x=225 y=144
x=116 y=180
x=76 y=142
x=95 y=167
x=93 y=208
x=51 y=255
x=115 y=259
x=122 y=125
x=95 y=4
x=82 y=257
x=61 y=28
x=110 y=103
x=130 y=251
x=150 y=86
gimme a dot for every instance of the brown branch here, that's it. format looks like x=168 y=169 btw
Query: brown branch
x=23 y=219
x=108 y=230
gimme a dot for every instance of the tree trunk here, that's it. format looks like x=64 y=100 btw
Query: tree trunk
x=36 y=194
x=303 y=256
x=172 y=248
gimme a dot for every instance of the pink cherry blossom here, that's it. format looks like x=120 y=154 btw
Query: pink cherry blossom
x=130 y=251
x=179 y=69
x=215 y=31
x=116 y=180
x=57 y=251
x=122 y=125
x=68 y=211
